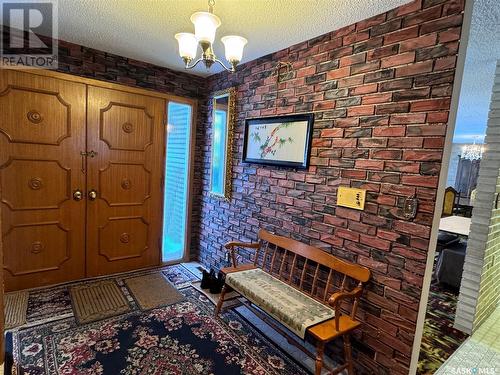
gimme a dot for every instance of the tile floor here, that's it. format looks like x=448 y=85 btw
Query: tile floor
x=480 y=353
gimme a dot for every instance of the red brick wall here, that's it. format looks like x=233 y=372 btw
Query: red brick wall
x=380 y=91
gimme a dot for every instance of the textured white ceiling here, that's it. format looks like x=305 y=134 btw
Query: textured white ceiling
x=482 y=53
x=144 y=29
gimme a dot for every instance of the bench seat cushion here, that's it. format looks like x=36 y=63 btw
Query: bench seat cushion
x=290 y=307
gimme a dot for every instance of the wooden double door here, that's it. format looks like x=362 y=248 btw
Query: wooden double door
x=80 y=179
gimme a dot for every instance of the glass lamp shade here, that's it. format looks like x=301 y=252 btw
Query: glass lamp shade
x=205 y=26
x=187 y=45
x=234 y=45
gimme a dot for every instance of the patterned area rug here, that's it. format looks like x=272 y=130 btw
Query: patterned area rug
x=183 y=338
x=439 y=339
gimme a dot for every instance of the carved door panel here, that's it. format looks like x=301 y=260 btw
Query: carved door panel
x=42 y=131
x=124 y=221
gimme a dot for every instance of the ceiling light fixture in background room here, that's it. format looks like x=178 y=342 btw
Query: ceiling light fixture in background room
x=472 y=152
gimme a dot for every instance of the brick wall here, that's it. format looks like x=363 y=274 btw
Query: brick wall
x=91 y=63
x=380 y=91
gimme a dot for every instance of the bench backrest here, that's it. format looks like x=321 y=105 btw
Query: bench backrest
x=306 y=267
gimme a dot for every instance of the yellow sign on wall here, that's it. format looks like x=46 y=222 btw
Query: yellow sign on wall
x=351 y=197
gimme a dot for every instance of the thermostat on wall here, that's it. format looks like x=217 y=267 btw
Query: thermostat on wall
x=351 y=197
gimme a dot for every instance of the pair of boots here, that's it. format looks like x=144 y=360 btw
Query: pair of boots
x=212 y=282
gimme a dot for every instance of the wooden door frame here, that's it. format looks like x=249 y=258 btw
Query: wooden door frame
x=2 y=315
x=189 y=207
x=168 y=98
x=443 y=174
x=104 y=84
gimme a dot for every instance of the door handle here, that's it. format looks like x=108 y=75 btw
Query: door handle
x=92 y=195
x=77 y=195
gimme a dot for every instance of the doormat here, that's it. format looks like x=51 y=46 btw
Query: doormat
x=152 y=291
x=98 y=300
x=16 y=307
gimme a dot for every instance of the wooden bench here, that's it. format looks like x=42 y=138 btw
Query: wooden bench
x=304 y=272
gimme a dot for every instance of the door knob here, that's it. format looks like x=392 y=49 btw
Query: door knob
x=77 y=195
x=92 y=195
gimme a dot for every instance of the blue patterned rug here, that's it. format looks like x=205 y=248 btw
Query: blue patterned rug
x=184 y=338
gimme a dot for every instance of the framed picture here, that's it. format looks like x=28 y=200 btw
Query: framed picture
x=282 y=141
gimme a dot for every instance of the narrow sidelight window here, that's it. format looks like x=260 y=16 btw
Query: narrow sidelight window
x=175 y=212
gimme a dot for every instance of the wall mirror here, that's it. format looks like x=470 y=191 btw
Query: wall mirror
x=223 y=118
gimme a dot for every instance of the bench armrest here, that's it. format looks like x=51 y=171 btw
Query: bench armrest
x=336 y=298
x=242 y=244
x=230 y=246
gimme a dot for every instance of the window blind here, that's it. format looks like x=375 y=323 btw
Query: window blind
x=176 y=180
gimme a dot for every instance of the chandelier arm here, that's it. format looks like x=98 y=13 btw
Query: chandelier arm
x=231 y=69
x=194 y=64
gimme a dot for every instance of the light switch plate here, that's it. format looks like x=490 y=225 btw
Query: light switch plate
x=351 y=197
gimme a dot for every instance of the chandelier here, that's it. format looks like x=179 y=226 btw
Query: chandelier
x=205 y=26
x=472 y=152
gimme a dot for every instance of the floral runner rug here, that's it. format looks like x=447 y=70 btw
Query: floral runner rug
x=293 y=309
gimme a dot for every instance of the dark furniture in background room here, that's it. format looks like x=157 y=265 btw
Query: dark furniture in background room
x=450 y=265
